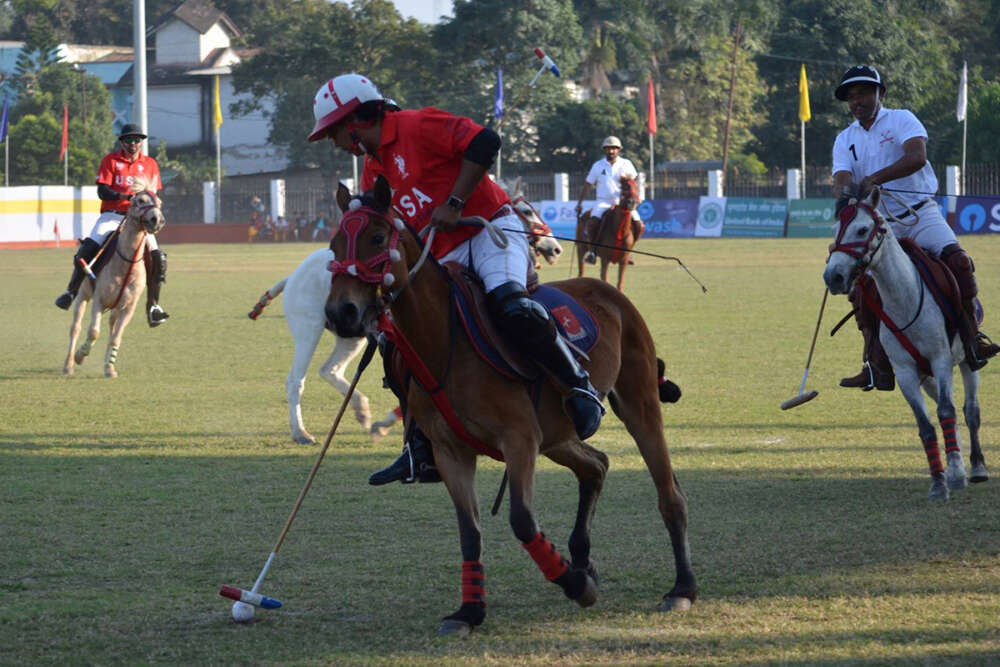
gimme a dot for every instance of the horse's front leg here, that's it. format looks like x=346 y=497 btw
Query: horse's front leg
x=117 y=322
x=458 y=472
x=576 y=583
x=581 y=245
x=306 y=333
x=604 y=269
x=79 y=306
x=970 y=380
x=909 y=384
x=621 y=271
x=946 y=413
x=96 y=310
x=332 y=371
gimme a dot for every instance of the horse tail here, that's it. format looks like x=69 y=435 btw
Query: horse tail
x=270 y=295
x=669 y=391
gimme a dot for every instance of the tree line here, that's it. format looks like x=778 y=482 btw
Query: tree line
x=693 y=50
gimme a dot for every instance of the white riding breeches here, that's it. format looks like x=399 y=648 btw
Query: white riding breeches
x=493 y=264
x=931 y=232
x=108 y=222
x=601 y=207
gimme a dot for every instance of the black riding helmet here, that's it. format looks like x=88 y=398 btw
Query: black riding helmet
x=131 y=130
x=858 y=74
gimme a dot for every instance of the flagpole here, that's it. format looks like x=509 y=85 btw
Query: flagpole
x=66 y=167
x=6 y=161
x=802 y=176
x=965 y=127
x=652 y=172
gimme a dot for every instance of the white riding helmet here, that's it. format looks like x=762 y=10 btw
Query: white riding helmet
x=337 y=98
x=612 y=142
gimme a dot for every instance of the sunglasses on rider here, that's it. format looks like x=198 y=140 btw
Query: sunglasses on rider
x=132 y=140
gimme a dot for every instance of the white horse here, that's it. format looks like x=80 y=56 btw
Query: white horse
x=305 y=292
x=866 y=245
x=118 y=286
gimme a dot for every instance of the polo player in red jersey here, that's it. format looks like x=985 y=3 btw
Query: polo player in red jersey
x=122 y=173
x=436 y=163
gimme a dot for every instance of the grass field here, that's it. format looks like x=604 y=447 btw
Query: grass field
x=127 y=503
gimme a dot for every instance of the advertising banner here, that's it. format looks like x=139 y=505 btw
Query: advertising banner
x=977 y=215
x=810 y=218
x=711 y=214
x=746 y=216
x=669 y=218
x=560 y=215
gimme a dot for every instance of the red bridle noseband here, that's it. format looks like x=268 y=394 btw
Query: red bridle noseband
x=375 y=270
x=860 y=250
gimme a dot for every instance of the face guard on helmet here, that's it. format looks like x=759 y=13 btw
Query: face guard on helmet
x=340 y=97
x=859 y=74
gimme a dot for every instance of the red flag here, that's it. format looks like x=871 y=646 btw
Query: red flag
x=65 y=136
x=650 y=108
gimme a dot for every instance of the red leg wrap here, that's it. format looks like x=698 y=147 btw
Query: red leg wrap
x=549 y=561
x=933 y=456
x=950 y=437
x=473 y=590
x=398 y=411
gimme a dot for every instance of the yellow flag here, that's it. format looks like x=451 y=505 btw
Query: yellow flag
x=804 y=113
x=217 y=108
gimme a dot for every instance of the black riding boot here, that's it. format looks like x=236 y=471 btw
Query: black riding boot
x=87 y=251
x=590 y=231
x=528 y=325
x=155 y=315
x=416 y=464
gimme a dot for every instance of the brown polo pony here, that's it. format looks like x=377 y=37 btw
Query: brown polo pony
x=119 y=284
x=380 y=268
x=614 y=238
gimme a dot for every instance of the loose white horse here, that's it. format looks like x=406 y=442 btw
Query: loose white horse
x=118 y=286
x=866 y=245
x=305 y=292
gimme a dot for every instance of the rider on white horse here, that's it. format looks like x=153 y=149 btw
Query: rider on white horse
x=605 y=175
x=121 y=174
x=888 y=147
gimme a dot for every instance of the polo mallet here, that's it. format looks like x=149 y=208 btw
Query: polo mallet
x=806 y=397
x=547 y=64
x=252 y=596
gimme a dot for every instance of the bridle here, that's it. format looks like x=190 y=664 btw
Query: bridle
x=862 y=251
x=375 y=270
x=140 y=212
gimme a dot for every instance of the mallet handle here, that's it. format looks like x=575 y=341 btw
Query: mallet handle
x=365 y=359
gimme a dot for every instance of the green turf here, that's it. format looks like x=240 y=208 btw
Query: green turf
x=127 y=503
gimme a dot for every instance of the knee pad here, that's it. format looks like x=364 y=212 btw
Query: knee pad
x=525 y=320
x=160 y=265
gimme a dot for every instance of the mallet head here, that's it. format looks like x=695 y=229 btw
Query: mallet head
x=799 y=400
x=256 y=599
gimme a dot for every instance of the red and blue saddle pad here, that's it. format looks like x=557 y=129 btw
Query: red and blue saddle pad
x=573 y=321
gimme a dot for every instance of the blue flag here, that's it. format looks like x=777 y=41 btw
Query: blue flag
x=497 y=101
x=3 y=119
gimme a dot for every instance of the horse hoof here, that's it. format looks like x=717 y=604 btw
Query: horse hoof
x=110 y=373
x=78 y=357
x=362 y=412
x=67 y=370
x=589 y=595
x=451 y=627
x=955 y=474
x=674 y=604
x=939 y=491
x=979 y=474
x=304 y=439
x=378 y=432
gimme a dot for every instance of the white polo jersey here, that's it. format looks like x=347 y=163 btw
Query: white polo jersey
x=863 y=152
x=606 y=177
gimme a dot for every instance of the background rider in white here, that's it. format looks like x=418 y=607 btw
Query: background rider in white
x=606 y=176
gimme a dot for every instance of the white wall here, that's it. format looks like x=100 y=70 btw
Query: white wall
x=31 y=212
x=177 y=42
x=174 y=114
x=215 y=38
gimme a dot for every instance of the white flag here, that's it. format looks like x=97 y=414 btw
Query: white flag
x=963 y=98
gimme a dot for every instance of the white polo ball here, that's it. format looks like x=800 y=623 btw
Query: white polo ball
x=242 y=612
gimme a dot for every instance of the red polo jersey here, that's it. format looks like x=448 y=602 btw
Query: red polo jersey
x=120 y=175
x=421 y=154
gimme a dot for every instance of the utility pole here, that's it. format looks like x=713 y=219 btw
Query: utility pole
x=732 y=94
